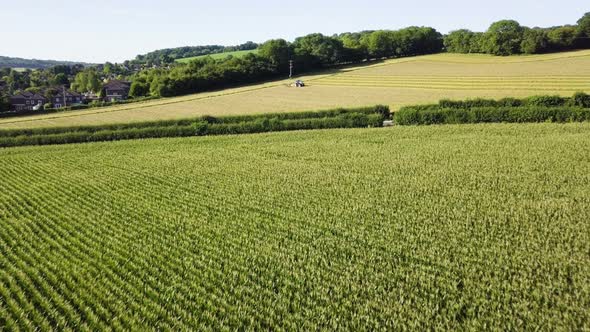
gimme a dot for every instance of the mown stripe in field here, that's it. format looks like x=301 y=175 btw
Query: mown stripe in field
x=549 y=79
x=564 y=89
x=450 y=82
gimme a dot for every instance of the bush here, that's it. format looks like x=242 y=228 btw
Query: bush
x=546 y=101
x=467 y=104
x=510 y=102
x=407 y=116
x=581 y=99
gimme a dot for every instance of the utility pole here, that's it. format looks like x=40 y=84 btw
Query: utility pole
x=64 y=94
x=290 y=68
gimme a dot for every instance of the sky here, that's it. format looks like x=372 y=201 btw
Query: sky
x=118 y=30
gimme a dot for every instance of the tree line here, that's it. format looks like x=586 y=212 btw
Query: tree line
x=9 y=62
x=310 y=52
x=169 y=55
x=508 y=37
x=307 y=53
x=316 y=51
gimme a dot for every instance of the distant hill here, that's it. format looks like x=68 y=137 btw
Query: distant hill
x=170 y=55
x=34 y=63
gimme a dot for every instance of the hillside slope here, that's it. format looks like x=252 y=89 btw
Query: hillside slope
x=394 y=82
x=33 y=63
x=237 y=54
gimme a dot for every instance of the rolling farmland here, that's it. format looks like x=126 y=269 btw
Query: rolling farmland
x=447 y=227
x=395 y=82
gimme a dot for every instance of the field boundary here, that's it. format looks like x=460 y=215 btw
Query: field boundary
x=202 y=126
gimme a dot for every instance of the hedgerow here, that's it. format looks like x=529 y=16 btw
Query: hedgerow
x=531 y=109
x=206 y=125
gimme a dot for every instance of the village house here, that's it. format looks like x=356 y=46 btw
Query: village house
x=66 y=98
x=116 y=90
x=27 y=101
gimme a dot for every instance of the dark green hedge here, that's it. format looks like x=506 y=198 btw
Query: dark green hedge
x=580 y=99
x=340 y=118
x=410 y=116
x=379 y=109
x=530 y=109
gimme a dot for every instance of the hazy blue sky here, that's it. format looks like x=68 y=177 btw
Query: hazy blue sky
x=116 y=30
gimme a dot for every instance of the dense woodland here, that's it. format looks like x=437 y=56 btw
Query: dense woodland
x=508 y=37
x=157 y=75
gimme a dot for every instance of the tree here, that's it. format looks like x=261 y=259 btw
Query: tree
x=316 y=50
x=503 y=38
x=354 y=48
x=534 y=41
x=583 y=29
x=139 y=88
x=278 y=52
x=107 y=68
x=87 y=81
x=249 y=45
x=4 y=103
x=380 y=44
x=459 y=41
x=562 y=38
x=94 y=84
x=477 y=43
x=60 y=79
x=423 y=40
x=60 y=69
x=161 y=87
x=166 y=59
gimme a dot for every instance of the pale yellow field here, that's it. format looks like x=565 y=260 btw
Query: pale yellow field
x=395 y=82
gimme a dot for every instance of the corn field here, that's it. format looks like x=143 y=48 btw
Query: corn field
x=482 y=227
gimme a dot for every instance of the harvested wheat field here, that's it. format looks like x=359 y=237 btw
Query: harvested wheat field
x=393 y=82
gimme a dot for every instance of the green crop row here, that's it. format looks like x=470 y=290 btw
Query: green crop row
x=450 y=228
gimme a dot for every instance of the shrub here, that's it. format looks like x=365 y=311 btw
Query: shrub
x=581 y=99
x=509 y=102
x=546 y=101
x=407 y=116
x=492 y=114
x=200 y=128
x=467 y=104
x=383 y=110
